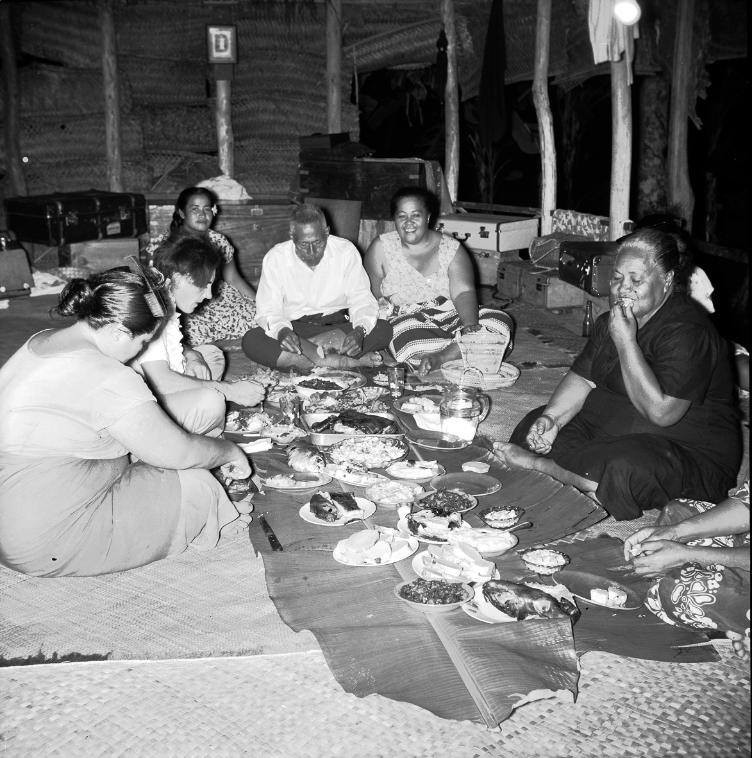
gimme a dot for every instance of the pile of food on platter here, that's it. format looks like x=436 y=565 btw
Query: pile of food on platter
x=443 y=502
x=354 y=475
x=316 y=383
x=453 y=563
x=373 y=547
x=425 y=524
x=302 y=456
x=434 y=592
x=333 y=506
x=415 y=469
x=247 y=421
x=521 y=602
x=355 y=422
x=419 y=404
x=363 y=399
x=391 y=493
x=367 y=451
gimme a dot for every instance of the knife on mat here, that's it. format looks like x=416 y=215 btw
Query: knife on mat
x=274 y=543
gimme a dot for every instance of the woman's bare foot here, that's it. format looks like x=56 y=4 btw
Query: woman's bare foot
x=516 y=456
x=334 y=360
x=432 y=361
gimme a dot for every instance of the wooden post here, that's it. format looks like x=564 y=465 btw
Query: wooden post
x=451 y=103
x=680 y=193
x=223 y=120
x=621 y=147
x=543 y=111
x=111 y=97
x=334 y=66
x=16 y=176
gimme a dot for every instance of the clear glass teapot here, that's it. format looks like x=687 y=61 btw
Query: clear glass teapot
x=462 y=409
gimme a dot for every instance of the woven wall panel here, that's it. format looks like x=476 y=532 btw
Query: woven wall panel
x=65 y=32
x=165 y=82
x=59 y=139
x=190 y=127
x=267 y=164
x=64 y=91
x=69 y=176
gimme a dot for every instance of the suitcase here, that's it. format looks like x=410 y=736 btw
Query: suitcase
x=15 y=273
x=509 y=279
x=499 y=233
x=65 y=217
x=543 y=288
x=587 y=265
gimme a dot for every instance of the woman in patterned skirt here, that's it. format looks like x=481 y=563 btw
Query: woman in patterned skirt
x=428 y=279
x=699 y=554
x=231 y=311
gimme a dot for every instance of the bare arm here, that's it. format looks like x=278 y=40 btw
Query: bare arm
x=151 y=435
x=373 y=262
x=568 y=398
x=233 y=277
x=640 y=381
x=462 y=287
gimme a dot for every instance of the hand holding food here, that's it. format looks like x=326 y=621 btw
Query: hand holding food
x=542 y=434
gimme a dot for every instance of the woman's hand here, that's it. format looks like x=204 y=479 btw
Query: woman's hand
x=633 y=543
x=245 y=392
x=658 y=556
x=195 y=365
x=622 y=325
x=542 y=434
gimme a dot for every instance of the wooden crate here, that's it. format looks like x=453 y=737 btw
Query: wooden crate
x=542 y=287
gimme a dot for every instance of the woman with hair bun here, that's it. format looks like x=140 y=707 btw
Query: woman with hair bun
x=646 y=414
x=74 y=418
x=231 y=312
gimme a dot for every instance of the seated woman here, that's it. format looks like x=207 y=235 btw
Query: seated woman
x=702 y=572
x=187 y=382
x=232 y=310
x=72 y=502
x=429 y=279
x=646 y=413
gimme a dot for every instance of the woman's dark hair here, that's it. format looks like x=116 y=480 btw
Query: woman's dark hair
x=666 y=249
x=193 y=257
x=114 y=297
x=182 y=202
x=426 y=197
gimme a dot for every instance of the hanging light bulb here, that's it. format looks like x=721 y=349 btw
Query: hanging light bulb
x=628 y=12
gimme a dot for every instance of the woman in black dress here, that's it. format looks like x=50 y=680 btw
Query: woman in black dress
x=646 y=413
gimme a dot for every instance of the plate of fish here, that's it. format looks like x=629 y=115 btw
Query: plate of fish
x=374 y=547
x=430 y=595
x=363 y=399
x=302 y=456
x=336 y=509
x=417 y=471
x=337 y=426
x=498 y=601
x=453 y=563
x=297 y=480
x=369 y=451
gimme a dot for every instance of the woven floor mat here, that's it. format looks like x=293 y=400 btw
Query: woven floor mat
x=289 y=705
x=195 y=604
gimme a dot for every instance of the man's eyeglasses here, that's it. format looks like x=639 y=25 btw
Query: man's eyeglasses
x=315 y=246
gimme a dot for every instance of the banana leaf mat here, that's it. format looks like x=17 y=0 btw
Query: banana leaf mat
x=444 y=662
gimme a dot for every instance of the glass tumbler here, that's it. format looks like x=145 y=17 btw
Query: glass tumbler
x=396 y=380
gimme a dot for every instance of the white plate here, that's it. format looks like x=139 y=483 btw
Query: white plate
x=354 y=480
x=392 y=502
x=366 y=506
x=402 y=547
x=306 y=481
x=402 y=527
x=420 y=563
x=436 y=440
x=401 y=470
x=355 y=450
x=481 y=610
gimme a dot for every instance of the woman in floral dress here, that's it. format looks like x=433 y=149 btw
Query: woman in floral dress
x=232 y=310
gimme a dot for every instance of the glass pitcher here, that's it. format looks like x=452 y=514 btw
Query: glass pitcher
x=462 y=409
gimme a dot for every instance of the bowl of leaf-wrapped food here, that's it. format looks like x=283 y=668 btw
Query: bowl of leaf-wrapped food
x=326 y=429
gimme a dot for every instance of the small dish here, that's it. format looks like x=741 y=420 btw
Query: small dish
x=435 y=588
x=500 y=516
x=544 y=561
x=416 y=471
x=436 y=440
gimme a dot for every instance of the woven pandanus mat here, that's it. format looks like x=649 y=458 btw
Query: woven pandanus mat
x=195 y=604
x=163 y=81
x=190 y=126
x=289 y=705
x=70 y=176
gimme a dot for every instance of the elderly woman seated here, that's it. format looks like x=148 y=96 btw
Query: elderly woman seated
x=73 y=502
x=700 y=556
x=647 y=412
x=428 y=278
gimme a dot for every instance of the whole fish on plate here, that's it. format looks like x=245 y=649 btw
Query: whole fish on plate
x=519 y=601
x=302 y=456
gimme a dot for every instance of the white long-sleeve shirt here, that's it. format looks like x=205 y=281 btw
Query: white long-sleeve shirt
x=289 y=289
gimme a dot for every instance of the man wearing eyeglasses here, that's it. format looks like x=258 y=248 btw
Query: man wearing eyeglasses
x=314 y=304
